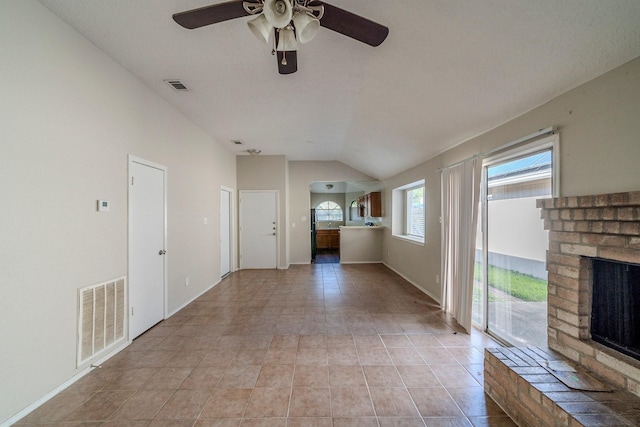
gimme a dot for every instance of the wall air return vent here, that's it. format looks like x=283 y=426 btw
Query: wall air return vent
x=177 y=85
x=101 y=318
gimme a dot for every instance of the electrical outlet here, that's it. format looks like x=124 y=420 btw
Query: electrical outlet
x=186 y=281
x=437 y=278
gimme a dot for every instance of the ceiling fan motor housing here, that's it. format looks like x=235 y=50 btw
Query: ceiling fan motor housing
x=278 y=12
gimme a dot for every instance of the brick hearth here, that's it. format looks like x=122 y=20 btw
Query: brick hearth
x=581 y=228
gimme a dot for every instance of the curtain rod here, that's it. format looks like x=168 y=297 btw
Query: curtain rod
x=541 y=132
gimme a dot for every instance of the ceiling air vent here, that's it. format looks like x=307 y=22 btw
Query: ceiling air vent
x=177 y=85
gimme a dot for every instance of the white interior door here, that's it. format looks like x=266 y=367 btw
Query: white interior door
x=146 y=246
x=225 y=232
x=258 y=229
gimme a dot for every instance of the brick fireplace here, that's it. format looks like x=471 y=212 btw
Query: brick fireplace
x=580 y=229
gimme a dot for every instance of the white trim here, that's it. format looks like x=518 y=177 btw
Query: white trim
x=399 y=212
x=50 y=395
x=429 y=294
x=361 y=262
x=175 y=311
x=134 y=159
x=232 y=224
x=551 y=142
x=410 y=239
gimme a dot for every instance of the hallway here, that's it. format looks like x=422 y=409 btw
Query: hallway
x=315 y=345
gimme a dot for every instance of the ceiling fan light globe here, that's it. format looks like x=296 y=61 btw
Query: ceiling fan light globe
x=260 y=27
x=278 y=12
x=306 y=26
x=286 y=40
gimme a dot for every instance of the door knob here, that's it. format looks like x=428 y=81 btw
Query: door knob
x=162 y=252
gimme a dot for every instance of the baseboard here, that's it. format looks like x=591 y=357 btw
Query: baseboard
x=361 y=262
x=429 y=294
x=44 y=399
x=194 y=298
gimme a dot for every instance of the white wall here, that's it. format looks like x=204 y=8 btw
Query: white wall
x=69 y=117
x=268 y=173
x=599 y=152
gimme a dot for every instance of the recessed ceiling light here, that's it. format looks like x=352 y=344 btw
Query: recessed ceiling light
x=253 y=151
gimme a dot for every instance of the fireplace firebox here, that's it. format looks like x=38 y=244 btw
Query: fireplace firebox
x=581 y=229
x=615 y=310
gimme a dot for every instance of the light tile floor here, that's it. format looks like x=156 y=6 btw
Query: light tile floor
x=319 y=345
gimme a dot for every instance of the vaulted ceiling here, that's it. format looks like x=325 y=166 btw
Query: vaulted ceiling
x=448 y=71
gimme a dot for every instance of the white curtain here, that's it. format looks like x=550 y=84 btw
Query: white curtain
x=460 y=197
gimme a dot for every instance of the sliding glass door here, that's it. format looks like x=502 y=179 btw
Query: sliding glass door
x=510 y=288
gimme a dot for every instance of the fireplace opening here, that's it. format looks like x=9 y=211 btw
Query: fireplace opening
x=615 y=311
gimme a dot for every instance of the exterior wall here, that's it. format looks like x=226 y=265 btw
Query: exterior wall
x=70 y=117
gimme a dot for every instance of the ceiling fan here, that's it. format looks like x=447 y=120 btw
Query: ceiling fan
x=291 y=21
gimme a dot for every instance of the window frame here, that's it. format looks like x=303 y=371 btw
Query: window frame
x=401 y=211
x=409 y=218
x=329 y=202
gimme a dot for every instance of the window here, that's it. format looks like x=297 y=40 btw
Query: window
x=353 y=211
x=328 y=211
x=408 y=212
x=414 y=199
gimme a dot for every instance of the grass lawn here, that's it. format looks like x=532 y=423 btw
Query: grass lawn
x=518 y=285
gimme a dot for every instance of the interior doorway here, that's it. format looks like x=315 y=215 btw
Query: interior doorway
x=258 y=229
x=147 y=219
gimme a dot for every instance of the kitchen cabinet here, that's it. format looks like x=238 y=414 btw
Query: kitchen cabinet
x=370 y=205
x=328 y=239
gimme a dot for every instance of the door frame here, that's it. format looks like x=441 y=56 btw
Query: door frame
x=133 y=159
x=277 y=196
x=232 y=234
x=551 y=143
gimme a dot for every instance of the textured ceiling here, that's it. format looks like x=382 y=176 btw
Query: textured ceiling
x=449 y=70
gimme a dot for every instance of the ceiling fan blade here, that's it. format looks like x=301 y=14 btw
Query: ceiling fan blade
x=352 y=25
x=292 y=62
x=208 y=15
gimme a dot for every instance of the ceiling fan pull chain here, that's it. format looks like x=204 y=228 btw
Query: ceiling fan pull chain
x=275 y=33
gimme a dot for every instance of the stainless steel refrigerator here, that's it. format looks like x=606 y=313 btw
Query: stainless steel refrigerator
x=313 y=234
